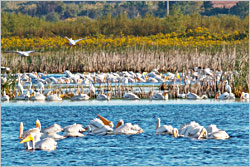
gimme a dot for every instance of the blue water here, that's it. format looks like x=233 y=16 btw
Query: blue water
x=143 y=149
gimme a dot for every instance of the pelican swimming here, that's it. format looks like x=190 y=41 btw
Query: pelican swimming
x=127 y=129
x=130 y=96
x=193 y=130
x=103 y=97
x=52 y=132
x=5 y=97
x=183 y=95
x=244 y=95
x=159 y=96
x=164 y=129
x=53 y=97
x=37 y=97
x=214 y=133
x=22 y=53
x=194 y=96
x=100 y=126
x=80 y=97
x=74 y=130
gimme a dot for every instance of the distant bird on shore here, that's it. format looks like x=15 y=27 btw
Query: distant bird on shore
x=71 y=41
x=22 y=53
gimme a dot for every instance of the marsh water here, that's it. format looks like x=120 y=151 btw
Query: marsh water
x=142 y=149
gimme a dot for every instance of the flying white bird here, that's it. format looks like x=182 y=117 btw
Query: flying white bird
x=22 y=53
x=71 y=41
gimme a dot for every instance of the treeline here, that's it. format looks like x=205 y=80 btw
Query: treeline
x=27 y=26
x=56 y=10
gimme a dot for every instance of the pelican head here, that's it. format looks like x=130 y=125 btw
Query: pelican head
x=158 y=124
x=105 y=121
x=38 y=124
x=203 y=134
x=30 y=137
x=21 y=130
x=175 y=133
x=119 y=123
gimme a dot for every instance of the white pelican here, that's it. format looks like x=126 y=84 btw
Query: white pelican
x=159 y=96
x=38 y=97
x=71 y=41
x=214 y=133
x=224 y=96
x=183 y=95
x=19 y=85
x=103 y=97
x=22 y=53
x=130 y=96
x=39 y=144
x=25 y=96
x=244 y=95
x=80 y=97
x=193 y=130
x=100 y=126
x=5 y=97
x=229 y=90
x=164 y=129
x=53 y=97
x=194 y=96
x=127 y=129
x=52 y=132
x=74 y=130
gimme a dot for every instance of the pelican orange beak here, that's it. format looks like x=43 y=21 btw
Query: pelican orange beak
x=27 y=139
x=21 y=130
x=165 y=93
x=203 y=134
x=166 y=77
x=118 y=124
x=61 y=95
x=104 y=120
x=38 y=124
x=179 y=77
x=175 y=134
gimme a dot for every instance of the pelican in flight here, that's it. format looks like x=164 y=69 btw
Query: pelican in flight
x=5 y=97
x=100 y=126
x=193 y=130
x=71 y=41
x=164 y=129
x=127 y=129
x=22 y=53
x=214 y=133
x=158 y=96
x=244 y=95
x=130 y=96
x=74 y=130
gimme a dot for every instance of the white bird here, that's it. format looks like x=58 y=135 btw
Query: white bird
x=40 y=144
x=19 y=85
x=100 y=126
x=214 y=133
x=53 y=97
x=74 y=130
x=52 y=132
x=229 y=90
x=80 y=97
x=22 y=53
x=159 y=96
x=5 y=97
x=130 y=96
x=194 y=96
x=32 y=138
x=127 y=129
x=183 y=95
x=103 y=97
x=38 y=97
x=71 y=41
x=244 y=95
x=193 y=130
x=164 y=129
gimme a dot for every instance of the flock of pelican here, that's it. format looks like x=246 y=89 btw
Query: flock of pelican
x=46 y=139
x=41 y=80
